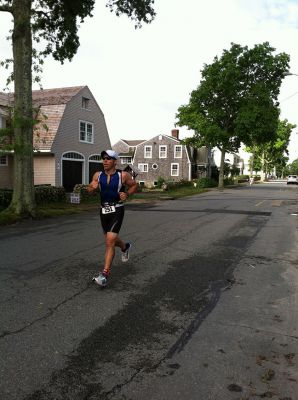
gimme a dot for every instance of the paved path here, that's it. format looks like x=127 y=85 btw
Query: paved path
x=206 y=309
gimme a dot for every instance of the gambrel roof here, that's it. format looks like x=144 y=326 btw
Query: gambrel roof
x=48 y=97
x=49 y=106
x=133 y=143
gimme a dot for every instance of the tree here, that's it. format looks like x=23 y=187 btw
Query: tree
x=236 y=100
x=292 y=168
x=273 y=155
x=54 y=22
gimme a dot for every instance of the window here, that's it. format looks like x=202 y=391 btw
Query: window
x=73 y=156
x=85 y=103
x=148 y=152
x=178 y=151
x=95 y=158
x=126 y=160
x=174 y=169
x=3 y=161
x=162 y=151
x=86 y=132
x=154 y=166
x=143 y=167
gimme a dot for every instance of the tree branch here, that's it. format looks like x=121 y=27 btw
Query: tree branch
x=6 y=8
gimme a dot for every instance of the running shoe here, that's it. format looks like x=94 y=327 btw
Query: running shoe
x=125 y=253
x=101 y=280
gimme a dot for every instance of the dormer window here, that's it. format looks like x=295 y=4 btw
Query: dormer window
x=85 y=103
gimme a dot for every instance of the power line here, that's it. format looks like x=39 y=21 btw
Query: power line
x=287 y=98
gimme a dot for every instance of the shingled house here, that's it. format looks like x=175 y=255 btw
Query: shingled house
x=164 y=156
x=67 y=141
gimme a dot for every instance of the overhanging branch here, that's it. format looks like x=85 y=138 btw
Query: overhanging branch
x=6 y=8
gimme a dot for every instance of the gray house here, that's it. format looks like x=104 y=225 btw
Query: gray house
x=67 y=140
x=163 y=156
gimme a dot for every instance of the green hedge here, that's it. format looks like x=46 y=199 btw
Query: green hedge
x=43 y=194
x=49 y=194
x=229 y=181
x=5 y=197
x=244 y=177
x=206 y=183
x=83 y=192
x=177 y=184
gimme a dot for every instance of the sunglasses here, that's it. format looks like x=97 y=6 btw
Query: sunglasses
x=108 y=158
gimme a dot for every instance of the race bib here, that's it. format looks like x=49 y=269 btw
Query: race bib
x=108 y=209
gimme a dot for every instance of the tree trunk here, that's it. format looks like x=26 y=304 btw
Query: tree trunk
x=251 y=164
x=221 y=170
x=263 y=173
x=23 y=200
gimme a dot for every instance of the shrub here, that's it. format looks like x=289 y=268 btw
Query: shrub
x=229 y=181
x=244 y=178
x=43 y=194
x=83 y=192
x=5 y=197
x=172 y=185
x=160 y=182
x=206 y=183
x=49 y=194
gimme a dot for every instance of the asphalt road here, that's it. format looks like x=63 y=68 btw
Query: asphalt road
x=205 y=309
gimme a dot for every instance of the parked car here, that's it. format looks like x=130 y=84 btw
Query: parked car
x=292 y=179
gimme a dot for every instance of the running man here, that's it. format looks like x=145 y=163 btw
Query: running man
x=112 y=184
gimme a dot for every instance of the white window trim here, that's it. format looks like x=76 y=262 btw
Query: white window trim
x=175 y=147
x=141 y=167
x=172 y=164
x=166 y=152
x=90 y=123
x=6 y=161
x=145 y=152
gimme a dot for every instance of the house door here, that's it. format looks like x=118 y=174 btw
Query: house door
x=94 y=167
x=72 y=174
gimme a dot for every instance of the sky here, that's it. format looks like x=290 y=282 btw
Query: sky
x=140 y=77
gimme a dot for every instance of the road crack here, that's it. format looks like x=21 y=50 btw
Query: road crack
x=52 y=310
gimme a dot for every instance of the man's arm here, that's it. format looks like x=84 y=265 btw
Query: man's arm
x=93 y=185
x=130 y=183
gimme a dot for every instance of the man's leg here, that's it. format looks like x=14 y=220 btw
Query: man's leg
x=112 y=240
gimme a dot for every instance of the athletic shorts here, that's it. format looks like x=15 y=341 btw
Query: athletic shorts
x=112 y=222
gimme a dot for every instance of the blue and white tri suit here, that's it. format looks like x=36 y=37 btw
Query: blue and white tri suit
x=109 y=194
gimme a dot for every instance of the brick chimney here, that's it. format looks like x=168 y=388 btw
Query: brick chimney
x=175 y=133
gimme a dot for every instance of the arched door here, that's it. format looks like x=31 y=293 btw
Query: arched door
x=72 y=170
x=95 y=165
